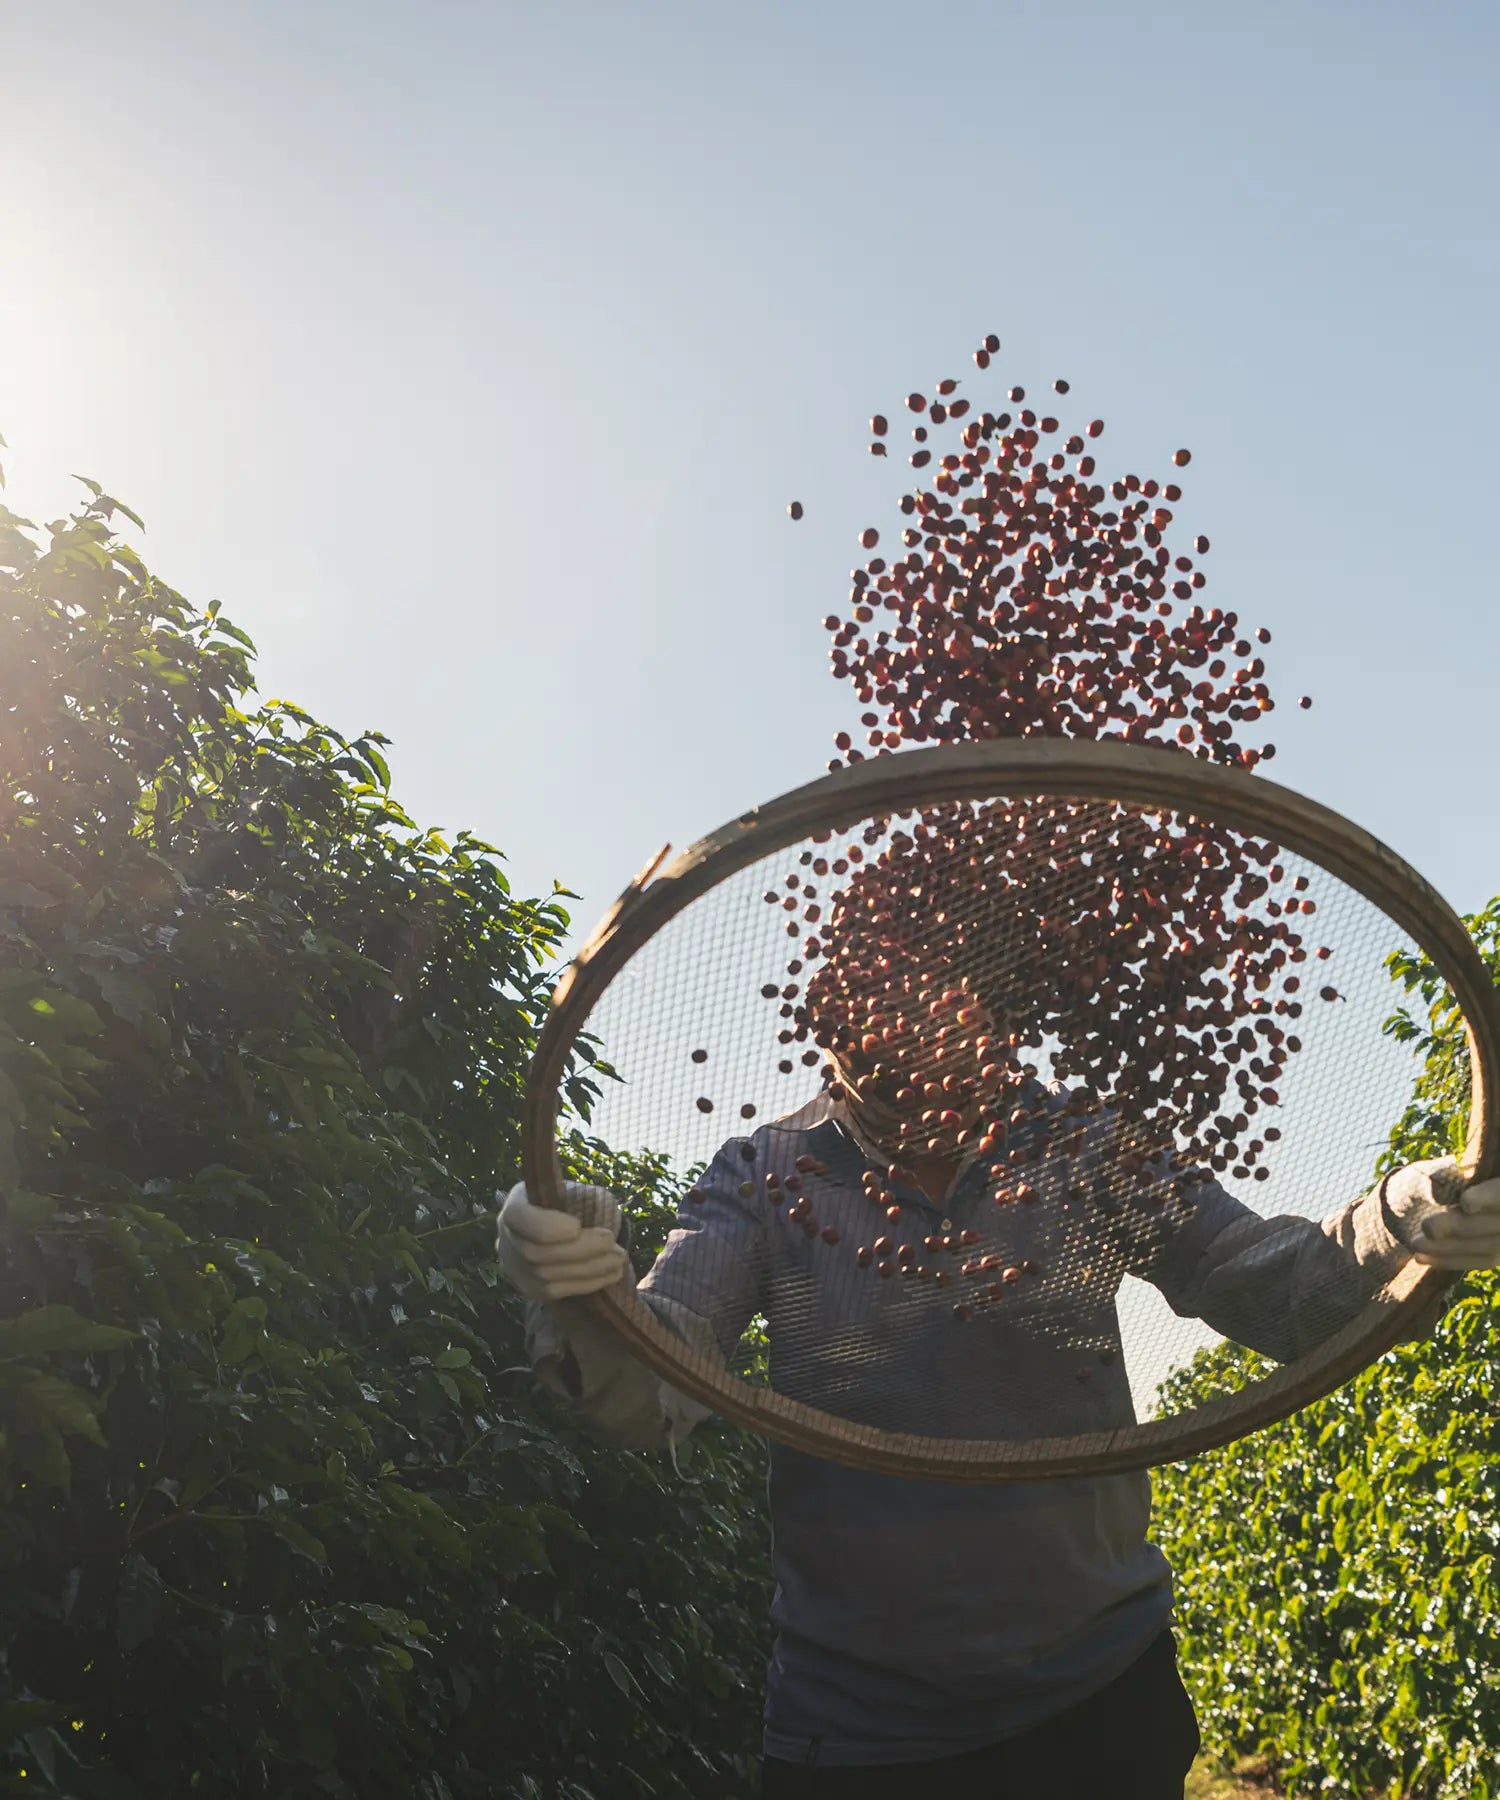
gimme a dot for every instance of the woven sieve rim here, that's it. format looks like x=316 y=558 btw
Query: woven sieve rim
x=1061 y=769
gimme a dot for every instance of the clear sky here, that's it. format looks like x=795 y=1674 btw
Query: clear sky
x=470 y=354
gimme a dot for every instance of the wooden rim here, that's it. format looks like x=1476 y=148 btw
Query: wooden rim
x=1062 y=769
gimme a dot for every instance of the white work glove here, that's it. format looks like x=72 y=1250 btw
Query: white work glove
x=550 y=1254
x=1445 y=1222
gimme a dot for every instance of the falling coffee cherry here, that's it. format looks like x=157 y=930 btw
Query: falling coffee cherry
x=869 y=537
x=700 y=1056
x=794 y=511
x=1305 y=702
x=705 y=1105
x=1182 y=458
x=1034 y=597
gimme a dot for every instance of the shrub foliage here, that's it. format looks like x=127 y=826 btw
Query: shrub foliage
x=280 y=1513
x=1337 y=1574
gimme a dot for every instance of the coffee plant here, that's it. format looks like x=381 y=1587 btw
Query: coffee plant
x=1337 y=1573
x=281 y=1510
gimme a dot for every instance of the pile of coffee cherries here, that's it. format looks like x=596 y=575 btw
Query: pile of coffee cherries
x=1133 y=946
x=1031 y=598
x=1162 y=954
x=1160 y=959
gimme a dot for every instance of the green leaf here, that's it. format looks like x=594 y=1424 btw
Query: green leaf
x=223 y=628
x=20 y=1716
x=47 y=1402
x=140 y=1603
x=621 y=1676
x=46 y=1329
x=297 y=1535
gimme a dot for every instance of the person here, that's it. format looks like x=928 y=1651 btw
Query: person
x=1009 y=1640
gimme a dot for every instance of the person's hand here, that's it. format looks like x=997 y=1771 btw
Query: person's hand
x=550 y=1254
x=1445 y=1222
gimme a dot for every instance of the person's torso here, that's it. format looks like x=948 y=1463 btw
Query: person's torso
x=911 y=1612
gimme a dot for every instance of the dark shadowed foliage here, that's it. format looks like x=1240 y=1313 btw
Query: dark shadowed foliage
x=282 y=1515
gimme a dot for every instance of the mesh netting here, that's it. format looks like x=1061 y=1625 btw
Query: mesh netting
x=991 y=1116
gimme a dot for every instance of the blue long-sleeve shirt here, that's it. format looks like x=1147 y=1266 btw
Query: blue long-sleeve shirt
x=915 y=1618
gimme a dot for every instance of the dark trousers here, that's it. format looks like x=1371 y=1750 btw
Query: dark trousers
x=1134 y=1740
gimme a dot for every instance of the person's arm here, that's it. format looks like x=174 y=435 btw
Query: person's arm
x=707 y=1283
x=1285 y=1284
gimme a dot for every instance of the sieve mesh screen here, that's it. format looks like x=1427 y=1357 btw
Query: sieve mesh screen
x=995 y=1112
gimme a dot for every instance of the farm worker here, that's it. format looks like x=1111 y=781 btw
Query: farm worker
x=1008 y=1640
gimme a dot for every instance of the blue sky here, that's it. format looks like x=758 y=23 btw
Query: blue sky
x=470 y=355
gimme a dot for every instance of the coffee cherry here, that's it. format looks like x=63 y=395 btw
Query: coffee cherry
x=795 y=509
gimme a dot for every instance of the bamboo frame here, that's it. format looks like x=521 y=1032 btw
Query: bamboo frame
x=1061 y=769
